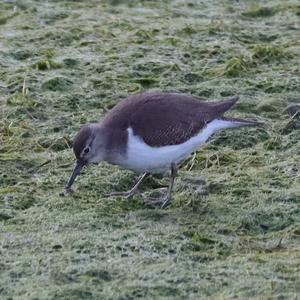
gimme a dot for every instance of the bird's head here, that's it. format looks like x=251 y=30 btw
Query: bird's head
x=83 y=144
x=88 y=148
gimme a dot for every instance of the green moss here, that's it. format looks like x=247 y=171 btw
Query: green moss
x=147 y=82
x=23 y=202
x=57 y=84
x=22 y=54
x=267 y=53
x=232 y=229
x=6 y=17
x=273 y=143
x=46 y=52
x=256 y=11
x=70 y=62
x=20 y=99
x=43 y=65
x=58 y=144
x=215 y=27
x=297 y=10
x=236 y=66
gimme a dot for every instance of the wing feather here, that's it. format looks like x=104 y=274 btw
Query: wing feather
x=162 y=119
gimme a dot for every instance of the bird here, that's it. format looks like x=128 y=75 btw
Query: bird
x=152 y=133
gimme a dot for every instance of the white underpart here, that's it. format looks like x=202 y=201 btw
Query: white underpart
x=141 y=157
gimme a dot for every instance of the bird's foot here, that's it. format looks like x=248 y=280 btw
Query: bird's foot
x=158 y=198
x=134 y=190
x=66 y=192
x=127 y=195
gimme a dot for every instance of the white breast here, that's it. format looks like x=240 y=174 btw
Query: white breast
x=141 y=157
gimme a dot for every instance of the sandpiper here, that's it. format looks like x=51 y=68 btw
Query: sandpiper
x=152 y=133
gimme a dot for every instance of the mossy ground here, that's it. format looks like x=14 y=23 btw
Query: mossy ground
x=232 y=230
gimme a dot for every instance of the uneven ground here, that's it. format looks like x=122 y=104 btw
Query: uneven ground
x=232 y=230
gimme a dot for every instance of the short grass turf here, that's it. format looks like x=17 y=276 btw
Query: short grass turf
x=232 y=230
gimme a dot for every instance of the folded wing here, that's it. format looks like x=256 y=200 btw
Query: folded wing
x=171 y=119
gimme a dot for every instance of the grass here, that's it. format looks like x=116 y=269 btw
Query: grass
x=232 y=230
x=256 y=11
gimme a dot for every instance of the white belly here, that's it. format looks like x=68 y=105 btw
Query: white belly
x=141 y=157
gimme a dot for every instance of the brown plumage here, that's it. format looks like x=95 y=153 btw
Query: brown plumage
x=162 y=119
x=80 y=139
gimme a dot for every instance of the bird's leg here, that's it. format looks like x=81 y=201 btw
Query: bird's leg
x=133 y=190
x=164 y=201
x=171 y=184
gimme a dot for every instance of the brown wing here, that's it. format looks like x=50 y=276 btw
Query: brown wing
x=171 y=119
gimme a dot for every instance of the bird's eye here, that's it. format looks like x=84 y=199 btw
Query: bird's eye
x=86 y=150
